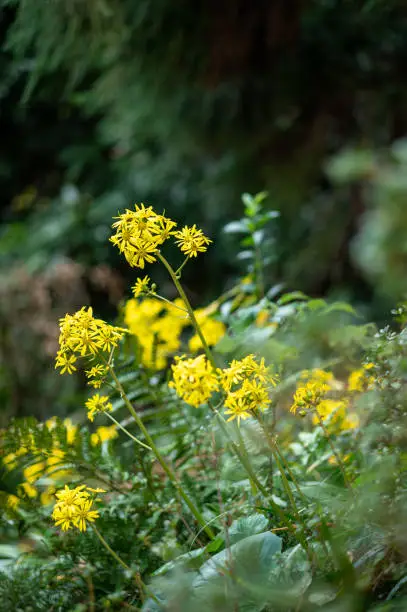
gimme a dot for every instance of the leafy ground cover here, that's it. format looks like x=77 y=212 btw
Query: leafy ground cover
x=248 y=455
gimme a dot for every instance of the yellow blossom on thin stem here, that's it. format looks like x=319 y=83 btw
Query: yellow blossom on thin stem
x=97 y=403
x=242 y=403
x=191 y=240
x=308 y=396
x=74 y=508
x=244 y=368
x=141 y=286
x=194 y=380
x=66 y=362
x=336 y=415
x=360 y=380
x=82 y=335
x=246 y=383
x=139 y=233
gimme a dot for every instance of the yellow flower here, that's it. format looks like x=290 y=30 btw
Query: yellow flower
x=317 y=375
x=336 y=415
x=56 y=458
x=103 y=434
x=194 y=380
x=96 y=404
x=62 y=516
x=309 y=396
x=83 y=514
x=191 y=241
x=69 y=497
x=140 y=233
x=246 y=383
x=246 y=368
x=360 y=380
x=141 y=286
x=65 y=362
x=212 y=331
x=74 y=508
x=157 y=327
x=83 y=335
x=98 y=370
x=12 y=501
x=251 y=396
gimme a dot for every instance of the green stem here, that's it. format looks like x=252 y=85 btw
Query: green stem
x=189 y=309
x=243 y=458
x=259 y=272
x=275 y=448
x=336 y=454
x=110 y=549
x=163 y=299
x=301 y=535
x=197 y=514
x=127 y=432
x=178 y=272
x=142 y=586
x=254 y=481
x=246 y=460
x=290 y=473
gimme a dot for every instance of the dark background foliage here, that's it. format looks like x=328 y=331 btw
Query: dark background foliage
x=185 y=106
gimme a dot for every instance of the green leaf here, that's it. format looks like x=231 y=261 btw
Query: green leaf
x=341 y=307
x=237 y=574
x=236 y=227
x=190 y=560
x=245 y=255
x=291 y=297
x=247 y=526
x=324 y=492
x=214 y=545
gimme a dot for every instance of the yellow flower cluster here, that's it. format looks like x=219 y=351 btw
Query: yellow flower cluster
x=309 y=396
x=140 y=233
x=103 y=434
x=360 y=380
x=191 y=241
x=97 y=403
x=246 y=383
x=141 y=286
x=194 y=380
x=81 y=335
x=96 y=375
x=74 y=507
x=336 y=415
x=158 y=327
x=318 y=376
x=310 y=393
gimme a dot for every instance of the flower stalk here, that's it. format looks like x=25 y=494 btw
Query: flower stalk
x=171 y=475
